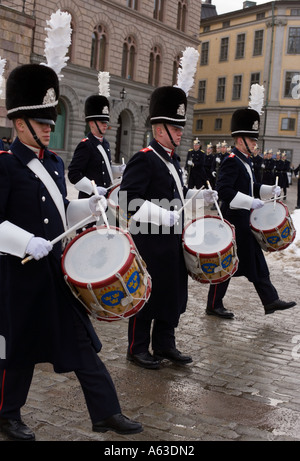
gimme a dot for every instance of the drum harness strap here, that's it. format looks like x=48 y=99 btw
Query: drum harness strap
x=104 y=155
x=174 y=173
x=41 y=172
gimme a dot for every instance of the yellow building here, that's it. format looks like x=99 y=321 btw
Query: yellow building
x=257 y=44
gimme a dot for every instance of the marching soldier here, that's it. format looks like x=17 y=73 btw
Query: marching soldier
x=153 y=182
x=240 y=193
x=41 y=320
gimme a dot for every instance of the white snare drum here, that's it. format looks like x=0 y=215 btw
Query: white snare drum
x=105 y=272
x=272 y=227
x=210 y=249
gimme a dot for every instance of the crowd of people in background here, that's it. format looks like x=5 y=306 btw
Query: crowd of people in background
x=203 y=163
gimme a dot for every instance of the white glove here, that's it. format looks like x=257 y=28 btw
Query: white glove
x=170 y=218
x=101 y=190
x=38 y=247
x=276 y=190
x=214 y=173
x=190 y=163
x=94 y=206
x=257 y=203
x=209 y=196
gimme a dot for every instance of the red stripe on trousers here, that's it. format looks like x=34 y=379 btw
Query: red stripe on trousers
x=2 y=390
x=133 y=330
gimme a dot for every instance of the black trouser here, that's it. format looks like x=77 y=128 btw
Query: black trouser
x=98 y=388
x=139 y=335
x=265 y=290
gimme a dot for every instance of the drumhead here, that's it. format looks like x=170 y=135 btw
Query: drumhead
x=267 y=218
x=207 y=235
x=96 y=255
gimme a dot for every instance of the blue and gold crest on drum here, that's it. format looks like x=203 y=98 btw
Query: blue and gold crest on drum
x=114 y=297
x=209 y=268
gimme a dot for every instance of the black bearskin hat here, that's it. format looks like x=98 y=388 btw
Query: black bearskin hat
x=97 y=108
x=168 y=105
x=32 y=91
x=245 y=122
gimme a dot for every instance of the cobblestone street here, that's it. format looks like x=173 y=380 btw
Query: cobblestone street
x=243 y=384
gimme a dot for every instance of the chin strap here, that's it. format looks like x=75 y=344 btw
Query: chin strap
x=34 y=135
x=246 y=145
x=98 y=128
x=169 y=134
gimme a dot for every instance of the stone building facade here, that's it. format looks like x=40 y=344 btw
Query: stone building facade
x=139 y=42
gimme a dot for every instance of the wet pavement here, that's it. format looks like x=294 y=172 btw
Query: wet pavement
x=243 y=384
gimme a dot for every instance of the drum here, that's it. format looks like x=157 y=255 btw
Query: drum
x=210 y=249
x=106 y=273
x=272 y=226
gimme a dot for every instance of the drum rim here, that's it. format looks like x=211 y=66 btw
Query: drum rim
x=111 y=202
x=208 y=255
x=274 y=228
x=109 y=280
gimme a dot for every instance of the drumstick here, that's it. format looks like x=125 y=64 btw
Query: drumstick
x=64 y=234
x=189 y=200
x=276 y=184
x=277 y=198
x=216 y=203
x=100 y=206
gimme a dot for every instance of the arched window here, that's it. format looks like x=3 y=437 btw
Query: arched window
x=176 y=63
x=154 y=66
x=128 y=59
x=98 y=52
x=57 y=140
x=181 y=15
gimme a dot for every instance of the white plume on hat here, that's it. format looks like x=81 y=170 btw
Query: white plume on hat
x=256 y=101
x=103 y=80
x=58 y=41
x=2 y=65
x=188 y=63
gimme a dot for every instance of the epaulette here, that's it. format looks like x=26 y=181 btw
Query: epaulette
x=231 y=155
x=146 y=149
x=5 y=152
x=84 y=139
x=190 y=150
x=52 y=152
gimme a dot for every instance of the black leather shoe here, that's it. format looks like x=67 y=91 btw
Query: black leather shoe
x=15 y=429
x=278 y=305
x=119 y=424
x=220 y=312
x=173 y=355
x=144 y=359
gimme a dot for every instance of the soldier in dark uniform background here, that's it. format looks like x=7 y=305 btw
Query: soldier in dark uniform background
x=257 y=161
x=297 y=174
x=195 y=165
x=40 y=318
x=239 y=192
x=209 y=158
x=283 y=180
x=268 y=169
